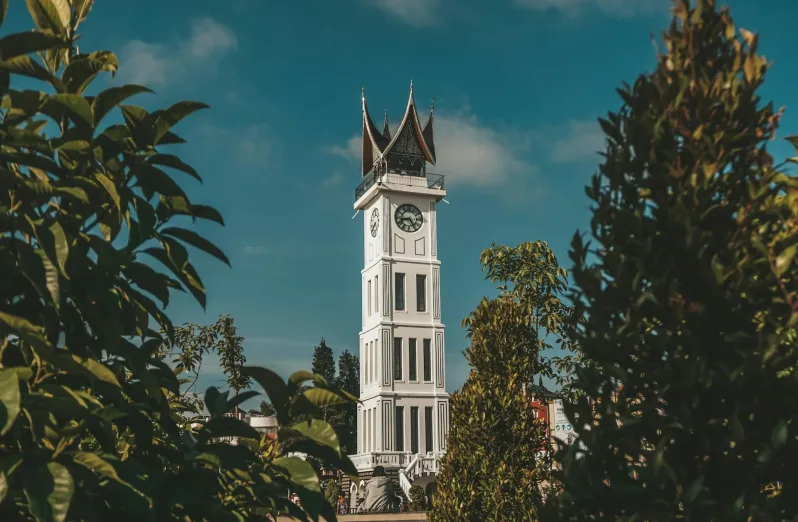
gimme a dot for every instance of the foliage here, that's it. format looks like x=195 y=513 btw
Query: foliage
x=418 y=500
x=331 y=492
x=90 y=252
x=688 y=304
x=324 y=362
x=190 y=342
x=497 y=463
x=344 y=416
x=265 y=409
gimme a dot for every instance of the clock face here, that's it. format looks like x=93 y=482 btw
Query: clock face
x=409 y=218
x=374 y=225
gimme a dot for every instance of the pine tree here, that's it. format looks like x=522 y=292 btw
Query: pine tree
x=688 y=299
x=494 y=468
x=324 y=362
x=344 y=419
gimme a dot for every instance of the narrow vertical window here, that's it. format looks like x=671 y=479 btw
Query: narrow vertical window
x=421 y=293
x=376 y=294
x=399 y=292
x=397 y=358
x=427 y=360
x=412 y=374
x=400 y=428
x=427 y=429
x=414 y=429
x=368 y=298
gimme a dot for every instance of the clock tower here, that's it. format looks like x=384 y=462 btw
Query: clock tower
x=403 y=412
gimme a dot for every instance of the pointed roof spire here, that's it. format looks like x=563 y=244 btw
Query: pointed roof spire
x=427 y=133
x=386 y=130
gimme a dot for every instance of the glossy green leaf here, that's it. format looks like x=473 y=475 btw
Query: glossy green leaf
x=97 y=369
x=149 y=280
x=304 y=480
x=112 y=97
x=83 y=69
x=26 y=66
x=784 y=259
x=196 y=240
x=96 y=463
x=19 y=44
x=10 y=401
x=3 y=12
x=81 y=8
x=323 y=398
x=77 y=106
x=3 y=482
x=49 y=14
x=780 y=434
x=170 y=160
x=49 y=492
x=168 y=118
x=61 y=246
x=273 y=385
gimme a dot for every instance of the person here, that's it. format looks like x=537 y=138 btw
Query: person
x=403 y=507
x=379 y=493
x=343 y=508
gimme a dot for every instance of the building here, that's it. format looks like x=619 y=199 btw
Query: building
x=403 y=413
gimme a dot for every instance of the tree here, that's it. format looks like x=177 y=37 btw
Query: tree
x=323 y=361
x=331 y=493
x=497 y=465
x=418 y=500
x=344 y=417
x=265 y=409
x=190 y=342
x=687 y=301
x=91 y=248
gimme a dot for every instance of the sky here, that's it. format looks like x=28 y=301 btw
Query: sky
x=518 y=85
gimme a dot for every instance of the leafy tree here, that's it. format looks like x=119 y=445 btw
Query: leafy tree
x=323 y=361
x=91 y=424
x=265 y=409
x=331 y=493
x=497 y=464
x=418 y=500
x=190 y=342
x=344 y=416
x=688 y=302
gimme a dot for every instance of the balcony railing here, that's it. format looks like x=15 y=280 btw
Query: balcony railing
x=430 y=181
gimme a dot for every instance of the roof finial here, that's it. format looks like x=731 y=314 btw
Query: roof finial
x=411 y=85
x=432 y=106
x=362 y=92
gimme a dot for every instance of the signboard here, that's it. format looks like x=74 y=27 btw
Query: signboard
x=563 y=431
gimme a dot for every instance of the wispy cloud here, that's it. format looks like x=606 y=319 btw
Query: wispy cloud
x=416 y=13
x=581 y=141
x=155 y=64
x=249 y=146
x=333 y=180
x=469 y=152
x=621 y=8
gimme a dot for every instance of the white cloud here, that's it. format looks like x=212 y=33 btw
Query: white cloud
x=623 y=8
x=255 y=250
x=251 y=146
x=334 y=180
x=582 y=141
x=417 y=13
x=159 y=63
x=469 y=153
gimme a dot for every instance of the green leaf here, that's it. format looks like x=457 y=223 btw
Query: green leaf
x=20 y=44
x=110 y=187
x=111 y=97
x=49 y=491
x=168 y=118
x=169 y=160
x=149 y=280
x=195 y=240
x=784 y=259
x=3 y=478
x=273 y=385
x=304 y=480
x=155 y=179
x=9 y=399
x=49 y=14
x=98 y=370
x=83 y=69
x=81 y=8
x=51 y=280
x=61 y=246
x=97 y=464
x=323 y=398
x=3 y=12
x=76 y=105
x=26 y=66
x=780 y=433
x=236 y=400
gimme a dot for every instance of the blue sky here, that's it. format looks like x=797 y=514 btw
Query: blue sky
x=518 y=85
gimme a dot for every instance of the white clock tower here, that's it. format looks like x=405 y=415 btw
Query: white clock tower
x=403 y=413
